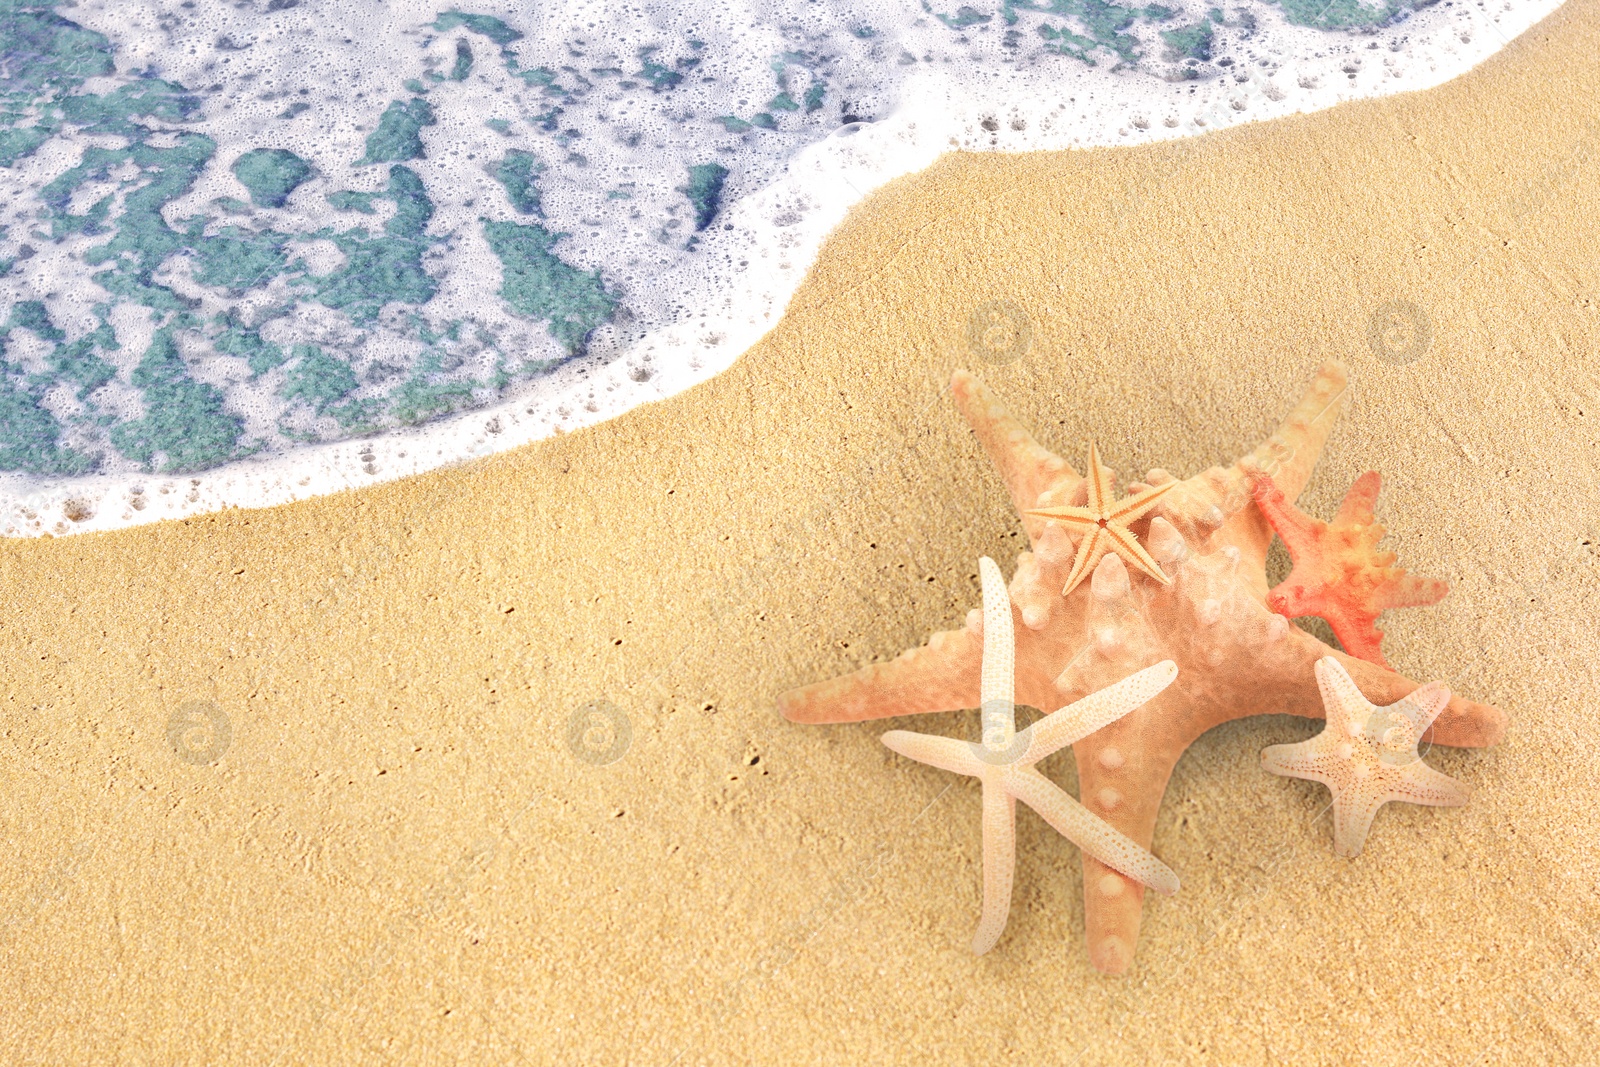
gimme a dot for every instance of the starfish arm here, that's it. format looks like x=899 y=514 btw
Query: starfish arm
x=1121 y=779
x=1075 y=517
x=1408 y=591
x=1462 y=724
x=1303 y=760
x=1424 y=704
x=999 y=864
x=1026 y=467
x=1299 y=531
x=1358 y=507
x=1129 y=509
x=1357 y=632
x=997 y=685
x=942 y=675
x=1346 y=709
x=1092 y=834
x=1090 y=549
x=1128 y=547
x=1353 y=812
x=945 y=753
x=1099 y=483
x=1069 y=725
x=1290 y=453
x=1421 y=784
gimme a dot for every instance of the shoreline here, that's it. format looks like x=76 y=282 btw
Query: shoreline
x=832 y=176
x=303 y=782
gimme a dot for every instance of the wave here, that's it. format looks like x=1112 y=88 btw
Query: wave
x=256 y=252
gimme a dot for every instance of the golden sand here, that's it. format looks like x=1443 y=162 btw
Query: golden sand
x=396 y=855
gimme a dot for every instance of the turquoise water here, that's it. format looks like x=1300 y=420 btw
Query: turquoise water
x=111 y=209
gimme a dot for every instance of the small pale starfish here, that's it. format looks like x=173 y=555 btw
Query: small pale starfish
x=1235 y=657
x=1367 y=755
x=1339 y=573
x=1004 y=763
x=1103 y=525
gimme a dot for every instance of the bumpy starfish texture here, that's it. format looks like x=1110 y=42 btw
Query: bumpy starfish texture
x=1367 y=755
x=1103 y=526
x=1235 y=657
x=1004 y=762
x=1339 y=573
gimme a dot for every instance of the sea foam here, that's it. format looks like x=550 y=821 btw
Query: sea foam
x=260 y=251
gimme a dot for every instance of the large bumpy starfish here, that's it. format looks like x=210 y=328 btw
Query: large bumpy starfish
x=1367 y=755
x=1004 y=761
x=1339 y=572
x=1235 y=657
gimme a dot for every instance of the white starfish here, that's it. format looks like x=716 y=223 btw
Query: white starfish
x=1367 y=755
x=1004 y=763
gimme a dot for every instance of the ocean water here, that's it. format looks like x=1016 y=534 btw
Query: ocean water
x=252 y=251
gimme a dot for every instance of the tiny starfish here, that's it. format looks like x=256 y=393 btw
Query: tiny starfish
x=1235 y=657
x=1367 y=755
x=1339 y=574
x=1104 y=523
x=1004 y=761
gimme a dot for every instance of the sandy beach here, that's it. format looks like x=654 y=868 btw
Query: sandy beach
x=300 y=785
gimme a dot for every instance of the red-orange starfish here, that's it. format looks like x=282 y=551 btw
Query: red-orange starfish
x=1235 y=657
x=1339 y=573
